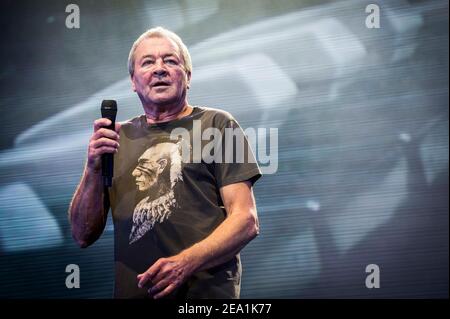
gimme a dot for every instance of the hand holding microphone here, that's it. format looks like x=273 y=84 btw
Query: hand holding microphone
x=104 y=142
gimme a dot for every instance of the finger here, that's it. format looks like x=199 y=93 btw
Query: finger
x=103 y=150
x=97 y=150
x=169 y=289
x=103 y=122
x=157 y=287
x=104 y=142
x=118 y=126
x=140 y=275
x=164 y=271
x=156 y=267
x=104 y=132
x=149 y=274
x=143 y=279
x=145 y=282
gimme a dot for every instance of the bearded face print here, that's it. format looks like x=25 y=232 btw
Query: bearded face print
x=157 y=172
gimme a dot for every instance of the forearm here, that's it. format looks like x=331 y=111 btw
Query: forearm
x=240 y=226
x=224 y=242
x=86 y=212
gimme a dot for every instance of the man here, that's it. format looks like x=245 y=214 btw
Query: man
x=179 y=221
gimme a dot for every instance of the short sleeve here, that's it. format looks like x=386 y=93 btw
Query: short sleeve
x=238 y=163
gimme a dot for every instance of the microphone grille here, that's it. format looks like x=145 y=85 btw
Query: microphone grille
x=109 y=105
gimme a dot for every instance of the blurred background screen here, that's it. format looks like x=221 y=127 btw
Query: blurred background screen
x=362 y=119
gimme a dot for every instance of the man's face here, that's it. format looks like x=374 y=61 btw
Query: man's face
x=148 y=170
x=159 y=76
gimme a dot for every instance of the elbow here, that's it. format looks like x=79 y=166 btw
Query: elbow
x=254 y=231
x=81 y=241
x=253 y=227
x=85 y=236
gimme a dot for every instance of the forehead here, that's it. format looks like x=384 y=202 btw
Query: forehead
x=148 y=156
x=156 y=152
x=157 y=46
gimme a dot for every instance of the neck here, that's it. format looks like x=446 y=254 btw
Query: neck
x=158 y=113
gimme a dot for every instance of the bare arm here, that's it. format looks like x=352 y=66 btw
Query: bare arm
x=239 y=228
x=230 y=237
x=86 y=213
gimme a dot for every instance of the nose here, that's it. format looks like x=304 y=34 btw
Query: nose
x=159 y=69
x=136 y=173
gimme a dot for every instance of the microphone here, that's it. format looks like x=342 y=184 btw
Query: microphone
x=109 y=111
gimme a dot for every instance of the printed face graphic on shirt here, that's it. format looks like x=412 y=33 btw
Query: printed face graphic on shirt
x=149 y=168
x=157 y=172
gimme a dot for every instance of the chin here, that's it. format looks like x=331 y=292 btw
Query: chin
x=141 y=188
x=164 y=101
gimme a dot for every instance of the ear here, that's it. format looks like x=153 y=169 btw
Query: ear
x=188 y=76
x=133 y=86
x=162 y=164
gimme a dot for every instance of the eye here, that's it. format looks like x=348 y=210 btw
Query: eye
x=147 y=62
x=171 y=61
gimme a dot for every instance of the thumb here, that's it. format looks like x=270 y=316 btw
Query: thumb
x=118 y=126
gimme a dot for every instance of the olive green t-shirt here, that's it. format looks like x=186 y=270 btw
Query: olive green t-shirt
x=165 y=197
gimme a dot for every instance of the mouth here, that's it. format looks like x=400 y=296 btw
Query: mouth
x=160 y=84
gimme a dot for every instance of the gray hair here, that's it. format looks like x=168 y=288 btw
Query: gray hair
x=160 y=32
